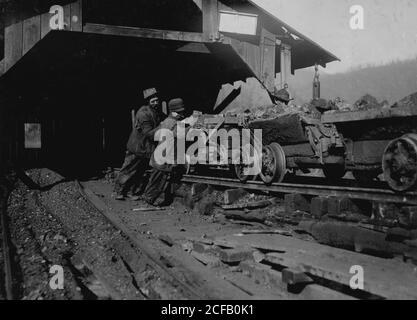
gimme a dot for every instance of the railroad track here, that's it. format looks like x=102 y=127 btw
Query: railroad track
x=190 y=290
x=5 y=240
x=370 y=194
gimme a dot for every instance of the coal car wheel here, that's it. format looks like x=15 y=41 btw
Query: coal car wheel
x=274 y=165
x=399 y=163
x=239 y=169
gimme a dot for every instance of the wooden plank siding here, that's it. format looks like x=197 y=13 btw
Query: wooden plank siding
x=13 y=44
x=31 y=33
x=22 y=35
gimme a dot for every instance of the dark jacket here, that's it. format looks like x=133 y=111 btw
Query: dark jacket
x=170 y=124
x=141 y=140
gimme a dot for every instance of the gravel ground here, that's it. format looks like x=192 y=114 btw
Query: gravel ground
x=57 y=226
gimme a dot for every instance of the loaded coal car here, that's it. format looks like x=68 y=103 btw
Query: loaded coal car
x=367 y=143
x=290 y=142
x=381 y=140
x=295 y=141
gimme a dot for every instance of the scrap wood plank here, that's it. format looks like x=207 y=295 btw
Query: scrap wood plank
x=393 y=285
x=205 y=259
x=250 y=205
x=236 y=254
x=382 y=277
x=276 y=231
x=250 y=217
x=266 y=275
x=293 y=276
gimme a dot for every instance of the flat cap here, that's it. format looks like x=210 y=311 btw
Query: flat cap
x=176 y=105
x=149 y=93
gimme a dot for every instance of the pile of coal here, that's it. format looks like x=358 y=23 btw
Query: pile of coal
x=366 y=102
x=409 y=101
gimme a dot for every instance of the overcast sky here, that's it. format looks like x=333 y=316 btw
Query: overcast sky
x=390 y=28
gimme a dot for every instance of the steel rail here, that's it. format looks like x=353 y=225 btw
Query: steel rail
x=153 y=258
x=380 y=195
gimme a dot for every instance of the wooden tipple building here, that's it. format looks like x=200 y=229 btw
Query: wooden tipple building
x=71 y=71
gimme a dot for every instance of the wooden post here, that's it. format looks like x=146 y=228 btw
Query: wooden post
x=268 y=59
x=210 y=20
x=77 y=16
x=285 y=64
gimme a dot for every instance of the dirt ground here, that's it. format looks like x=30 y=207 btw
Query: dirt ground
x=58 y=226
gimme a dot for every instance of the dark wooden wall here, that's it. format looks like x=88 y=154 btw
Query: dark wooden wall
x=82 y=87
x=21 y=34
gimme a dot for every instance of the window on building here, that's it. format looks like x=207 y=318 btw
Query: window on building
x=236 y=22
x=33 y=136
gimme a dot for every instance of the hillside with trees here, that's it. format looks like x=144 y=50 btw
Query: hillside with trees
x=390 y=82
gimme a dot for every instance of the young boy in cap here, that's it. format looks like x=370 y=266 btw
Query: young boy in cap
x=140 y=146
x=164 y=175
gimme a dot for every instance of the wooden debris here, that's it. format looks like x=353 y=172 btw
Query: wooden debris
x=166 y=239
x=264 y=274
x=258 y=257
x=281 y=232
x=385 y=278
x=343 y=235
x=205 y=259
x=295 y=276
x=240 y=215
x=233 y=195
x=251 y=205
x=235 y=255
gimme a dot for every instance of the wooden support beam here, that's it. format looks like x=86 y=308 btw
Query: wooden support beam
x=199 y=4
x=142 y=32
x=210 y=20
x=77 y=16
x=22 y=35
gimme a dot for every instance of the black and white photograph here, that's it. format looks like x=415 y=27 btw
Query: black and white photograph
x=221 y=151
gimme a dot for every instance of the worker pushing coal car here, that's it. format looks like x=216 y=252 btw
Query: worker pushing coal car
x=166 y=172
x=140 y=146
